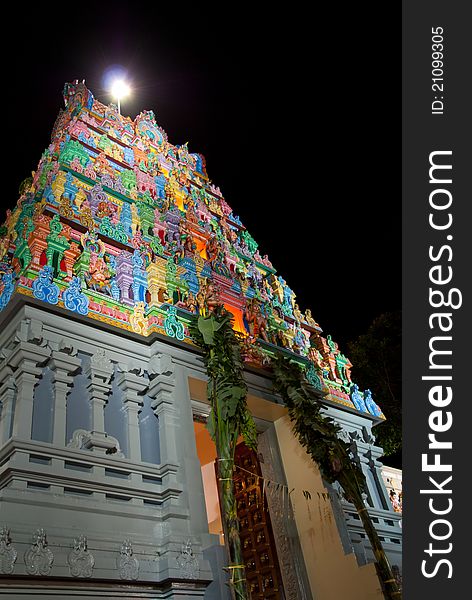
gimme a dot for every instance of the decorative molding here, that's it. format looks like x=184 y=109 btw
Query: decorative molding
x=44 y=288
x=8 y=554
x=280 y=511
x=173 y=327
x=74 y=299
x=39 y=558
x=188 y=562
x=100 y=363
x=95 y=440
x=81 y=561
x=126 y=563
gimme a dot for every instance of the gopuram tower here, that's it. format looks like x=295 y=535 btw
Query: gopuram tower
x=107 y=480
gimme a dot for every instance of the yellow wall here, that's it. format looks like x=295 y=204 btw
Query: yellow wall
x=206 y=451
x=333 y=575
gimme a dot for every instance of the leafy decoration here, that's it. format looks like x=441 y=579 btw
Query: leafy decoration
x=229 y=418
x=318 y=434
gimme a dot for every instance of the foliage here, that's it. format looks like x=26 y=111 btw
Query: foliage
x=376 y=358
x=316 y=432
x=227 y=389
x=229 y=418
x=319 y=435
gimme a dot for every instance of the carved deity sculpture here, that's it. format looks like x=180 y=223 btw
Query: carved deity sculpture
x=212 y=249
x=99 y=276
x=255 y=319
x=207 y=297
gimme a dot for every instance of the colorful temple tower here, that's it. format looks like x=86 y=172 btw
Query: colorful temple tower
x=107 y=484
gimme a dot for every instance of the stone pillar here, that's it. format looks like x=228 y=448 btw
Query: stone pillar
x=376 y=466
x=132 y=384
x=161 y=391
x=363 y=451
x=100 y=372
x=63 y=366
x=7 y=395
x=289 y=552
x=25 y=358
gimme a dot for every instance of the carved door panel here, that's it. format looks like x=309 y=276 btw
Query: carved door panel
x=257 y=540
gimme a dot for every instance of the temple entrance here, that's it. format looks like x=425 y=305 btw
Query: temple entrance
x=257 y=540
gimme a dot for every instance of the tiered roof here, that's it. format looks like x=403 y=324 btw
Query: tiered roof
x=121 y=226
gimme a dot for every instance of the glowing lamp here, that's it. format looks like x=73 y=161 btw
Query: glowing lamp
x=119 y=90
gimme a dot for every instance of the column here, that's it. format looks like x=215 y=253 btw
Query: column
x=25 y=359
x=161 y=391
x=100 y=372
x=7 y=395
x=364 y=458
x=376 y=466
x=64 y=366
x=132 y=385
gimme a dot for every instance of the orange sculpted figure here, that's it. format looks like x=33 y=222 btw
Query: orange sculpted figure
x=255 y=320
x=99 y=276
x=212 y=248
x=207 y=297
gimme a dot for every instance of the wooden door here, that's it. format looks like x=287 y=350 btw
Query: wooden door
x=257 y=541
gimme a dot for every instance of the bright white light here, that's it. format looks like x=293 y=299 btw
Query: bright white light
x=120 y=89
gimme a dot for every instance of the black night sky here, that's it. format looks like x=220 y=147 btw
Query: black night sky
x=297 y=118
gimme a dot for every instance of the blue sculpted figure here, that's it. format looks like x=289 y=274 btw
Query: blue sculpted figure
x=8 y=287
x=301 y=342
x=115 y=290
x=70 y=190
x=160 y=181
x=198 y=163
x=357 y=399
x=137 y=259
x=372 y=407
x=44 y=288
x=73 y=297
x=49 y=195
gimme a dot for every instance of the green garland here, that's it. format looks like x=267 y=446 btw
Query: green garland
x=318 y=434
x=229 y=418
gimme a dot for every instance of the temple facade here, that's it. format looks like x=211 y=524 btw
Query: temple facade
x=107 y=478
